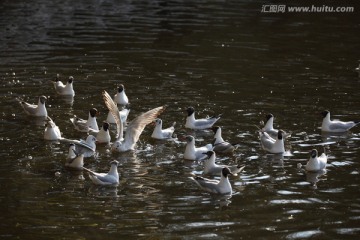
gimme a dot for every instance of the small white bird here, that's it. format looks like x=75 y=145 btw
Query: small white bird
x=124 y=113
x=316 y=163
x=76 y=160
x=195 y=153
x=103 y=136
x=220 y=145
x=89 y=125
x=160 y=133
x=52 y=132
x=335 y=126
x=211 y=168
x=120 y=97
x=38 y=110
x=272 y=145
x=215 y=186
x=202 y=123
x=110 y=178
x=135 y=127
x=65 y=90
x=87 y=147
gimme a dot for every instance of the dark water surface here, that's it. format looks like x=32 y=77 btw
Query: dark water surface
x=218 y=56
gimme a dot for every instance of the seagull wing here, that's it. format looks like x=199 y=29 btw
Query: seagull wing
x=114 y=110
x=137 y=125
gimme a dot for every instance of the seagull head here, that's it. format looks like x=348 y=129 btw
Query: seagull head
x=71 y=79
x=215 y=129
x=209 y=153
x=314 y=153
x=190 y=111
x=93 y=112
x=116 y=146
x=225 y=172
x=121 y=88
x=324 y=113
x=42 y=99
x=105 y=126
x=189 y=139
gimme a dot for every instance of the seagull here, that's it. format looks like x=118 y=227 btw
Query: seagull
x=203 y=123
x=316 y=163
x=38 y=110
x=110 y=178
x=124 y=113
x=211 y=168
x=160 y=133
x=195 y=153
x=335 y=126
x=215 y=186
x=76 y=160
x=269 y=127
x=89 y=125
x=135 y=127
x=103 y=136
x=62 y=89
x=220 y=145
x=87 y=147
x=120 y=97
x=272 y=145
x=52 y=132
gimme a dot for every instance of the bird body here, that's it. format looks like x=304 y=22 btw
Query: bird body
x=195 y=153
x=335 y=126
x=316 y=163
x=160 y=133
x=110 y=178
x=121 y=97
x=87 y=147
x=89 y=125
x=202 y=123
x=272 y=145
x=52 y=132
x=64 y=89
x=211 y=168
x=103 y=136
x=38 y=110
x=134 y=128
x=74 y=160
x=222 y=187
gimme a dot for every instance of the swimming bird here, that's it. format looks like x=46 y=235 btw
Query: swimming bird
x=110 y=178
x=202 y=123
x=220 y=145
x=87 y=147
x=124 y=113
x=195 y=153
x=63 y=89
x=52 y=132
x=89 y=125
x=215 y=186
x=76 y=160
x=335 y=126
x=135 y=127
x=316 y=163
x=103 y=136
x=160 y=133
x=120 y=97
x=272 y=145
x=211 y=168
x=269 y=127
x=38 y=110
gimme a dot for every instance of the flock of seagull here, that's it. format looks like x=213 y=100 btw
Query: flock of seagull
x=127 y=135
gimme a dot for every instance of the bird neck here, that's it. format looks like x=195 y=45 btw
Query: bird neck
x=269 y=124
x=113 y=170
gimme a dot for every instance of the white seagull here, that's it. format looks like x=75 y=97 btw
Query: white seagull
x=120 y=97
x=211 y=168
x=202 y=123
x=89 y=125
x=160 y=133
x=74 y=160
x=335 y=126
x=62 y=89
x=110 y=178
x=87 y=147
x=38 y=110
x=135 y=127
x=215 y=186
x=195 y=153
x=103 y=136
x=316 y=163
x=269 y=127
x=272 y=145
x=124 y=113
x=52 y=132
x=220 y=145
